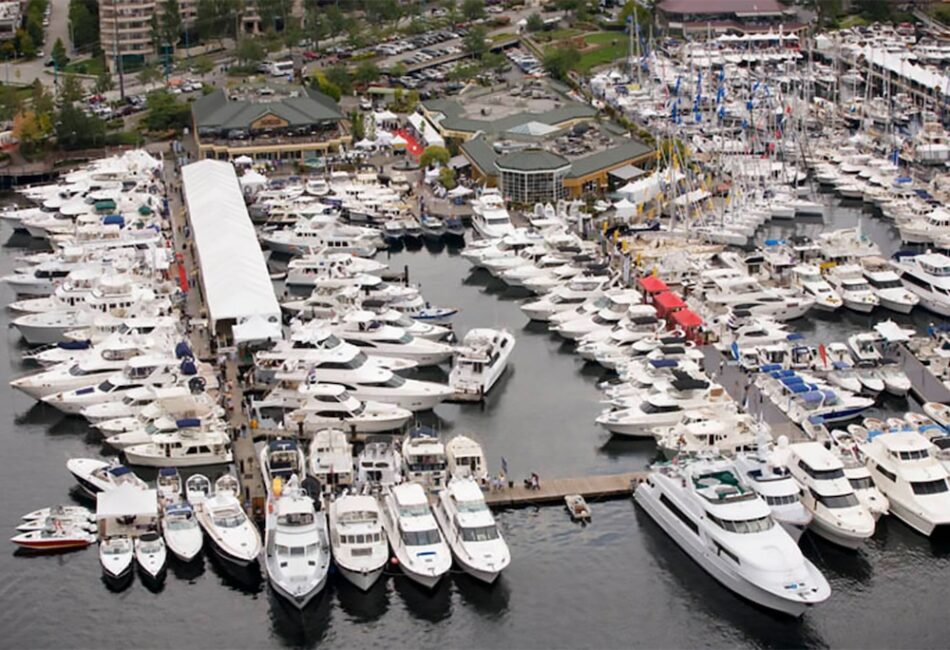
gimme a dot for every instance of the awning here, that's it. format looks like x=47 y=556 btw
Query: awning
x=652 y=284
x=459 y=162
x=687 y=318
x=627 y=173
x=668 y=301
x=126 y=500
x=257 y=329
x=892 y=332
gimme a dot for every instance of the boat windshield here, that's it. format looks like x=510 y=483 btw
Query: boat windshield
x=414 y=510
x=106 y=386
x=479 y=533
x=472 y=506
x=296 y=519
x=180 y=523
x=861 y=483
x=421 y=537
x=114 y=549
x=77 y=371
x=743 y=526
x=229 y=518
x=837 y=501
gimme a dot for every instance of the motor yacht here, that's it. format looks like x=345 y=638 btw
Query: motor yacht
x=723 y=431
x=468 y=525
x=618 y=304
x=365 y=330
x=489 y=216
x=849 y=282
x=280 y=459
x=809 y=278
x=564 y=297
x=53 y=539
x=607 y=348
x=379 y=465
x=928 y=276
x=234 y=536
x=726 y=528
x=330 y=460
x=296 y=550
x=169 y=485
x=198 y=489
x=848 y=451
x=304 y=271
x=912 y=479
x=116 y=555
x=324 y=406
x=322 y=233
x=837 y=513
x=480 y=361
x=423 y=458
x=730 y=289
x=360 y=548
x=640 y=413
x=887 y=286
x=414 y=534
x=182 y=448
x=96 y=476
x=181 y=530
x=465 y=459
x=146 y=404
x=766 y=472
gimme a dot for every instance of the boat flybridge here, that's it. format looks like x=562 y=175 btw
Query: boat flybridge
x=414 y=534
x=489 y=216
x=712 y=514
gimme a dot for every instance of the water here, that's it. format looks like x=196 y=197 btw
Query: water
x=619 y=582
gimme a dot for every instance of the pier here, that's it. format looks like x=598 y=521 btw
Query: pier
x=924 y=386
x=598 y=488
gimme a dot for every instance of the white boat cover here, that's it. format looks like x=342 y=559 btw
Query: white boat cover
x=126 y=500
x=237 y=285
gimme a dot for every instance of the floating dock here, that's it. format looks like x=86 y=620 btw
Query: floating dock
x=551 y=491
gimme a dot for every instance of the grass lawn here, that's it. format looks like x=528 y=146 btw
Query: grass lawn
x=92 y=67
x=852 y=21
x=22 y=92
x=555 y=35
x=604 y=48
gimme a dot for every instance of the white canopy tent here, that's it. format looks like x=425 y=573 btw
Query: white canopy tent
x=398 y=141
x=243 y=160
x=257 y=329
x=460 y=190
x=625 y=209
x=365 y=144
x=426 y=130
x=234 y=276
x=126 y=510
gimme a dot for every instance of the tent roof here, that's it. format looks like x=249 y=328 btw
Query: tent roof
x=668 y=300
x=653 y=284
x=234 y=276
x=687 y=318
x=257 y=328
x=127 y=500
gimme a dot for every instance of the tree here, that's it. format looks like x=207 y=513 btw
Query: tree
x=397 y=69
x=25 y=44
x=878 y=11
x=339 y=76
x=434 y=154
x=84 y=20
x=58 y=54
x=203 y=65
x=535 y=22
x=10 y=103
x=357 y=126
x=104 y=82
x=473 y=9
x=71 y=90
x=28 y=129
x=559 y=62
x=249 y=51
x=42 y=100
x=447 y=177
x=366 y=73
x=75 y=130
x=643 y=15
x=164 y=112
x=324 y=85
x=148 y=75
x=475 y=41
x=170 y=24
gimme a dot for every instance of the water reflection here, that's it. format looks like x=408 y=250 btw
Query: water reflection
x=362 y=606
x=300 y=628
x=432 y=605
x=835 y=561
x=245 y=579
x=187 y=571
x=491 y=601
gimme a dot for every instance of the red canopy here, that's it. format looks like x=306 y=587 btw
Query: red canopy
x=687 y=318
x=667 y=302
x=652 y=284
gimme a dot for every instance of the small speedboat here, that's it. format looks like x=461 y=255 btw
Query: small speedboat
x=61 y=511
x=39 y=524
x=150 y=555
x=115 y=556
x=181 y=530
x=169 y=484
x=939 y=412
x=577 y=507
x=96 y=476
x=197 y=489
x=54 y=538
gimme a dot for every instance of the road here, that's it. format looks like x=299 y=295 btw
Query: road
x=28 y=71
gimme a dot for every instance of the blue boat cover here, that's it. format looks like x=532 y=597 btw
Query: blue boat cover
x=816 y=419
x=798 y=389
x=188 y=423
x=119 y=470
x=664 y=363
x=114 y=220
x=188 y=367
x=840 y=365
x=73 y=345
x=183 y=350
x=788 y=381
x=774 y=368
x=795 y=336
x=813 y=397
x=830 y=395
x=167 y=471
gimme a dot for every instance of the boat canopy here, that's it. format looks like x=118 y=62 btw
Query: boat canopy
x=668 y=302
x=687 y=318
x=188 y=423
x=664 y=363
x=652 y=284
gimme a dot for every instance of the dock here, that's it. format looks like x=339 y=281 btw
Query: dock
x=924 y=386
x=595 y=488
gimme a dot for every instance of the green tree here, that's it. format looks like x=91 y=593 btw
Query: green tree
x=473 y=9
x=447 y=177
x=324 y=85
x=366 y=72
x=874 y=10
x=43 y=102
x=76 y=130
x=148 y=75
x=70 y=91
x=339 y=76
x=58 y=54
x=84 y=23
x=643 y=15
x=170 y=23
x=475 y=41
x=10 y=103
x=559 y=62
x=434 y=154
x=535 y=22
x=203 y=65
x=25 y=44
x=397 y=69
x=104 y=82
x=249 y=51
x=382 y=11
x=357 y=126
x=165 y=112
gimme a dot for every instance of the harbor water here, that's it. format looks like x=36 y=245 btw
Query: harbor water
x=618 y=582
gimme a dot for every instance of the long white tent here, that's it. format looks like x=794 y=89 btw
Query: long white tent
x=237 y=285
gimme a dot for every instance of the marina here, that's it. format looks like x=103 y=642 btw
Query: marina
x=713 y=397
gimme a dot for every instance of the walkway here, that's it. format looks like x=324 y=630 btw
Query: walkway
x=598 y=487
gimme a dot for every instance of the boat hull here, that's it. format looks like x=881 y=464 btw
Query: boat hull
x=362 y=580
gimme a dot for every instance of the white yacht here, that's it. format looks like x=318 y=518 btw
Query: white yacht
x=837 y=514
x=618 y=304
x=379 y=464
x=330 y=405
x=912 y=479
x=365 y=330
x=771 y=480
x=848 y=280
x=141 y=403
x=359 y=544
x=296 y=545
x=423 y=458
x=661 y=405
x=182 y=534
x=115 y=556
x=731 y=289
x=234 y=536
x=887 y=286
x=151 y=555
x=322 y=233
x=304 y=271
x=489 y=216
x=414 y=534
x=728 y=530
x=331 y=459
x=809 y=278
x=928 y=276
x=182 y=448
x=722 y=430
x=470 y=529
x=96 y=476
x=480 y=360
x=847 y=449
x=563 y=298
x=280 y=459
x=465 y=459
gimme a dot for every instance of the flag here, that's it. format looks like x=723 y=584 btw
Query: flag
x=823 y=354
x=735 y=350
x=504 y=465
